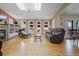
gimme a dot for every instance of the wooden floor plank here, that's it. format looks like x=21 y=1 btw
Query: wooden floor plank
x=26 y=47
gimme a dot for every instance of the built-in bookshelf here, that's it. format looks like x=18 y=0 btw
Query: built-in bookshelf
x=8 y=28
x=11 y=30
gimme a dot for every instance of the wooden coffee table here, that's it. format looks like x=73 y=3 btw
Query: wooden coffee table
x=38 y=37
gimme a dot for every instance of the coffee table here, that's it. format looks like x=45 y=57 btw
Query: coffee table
x=38 y=37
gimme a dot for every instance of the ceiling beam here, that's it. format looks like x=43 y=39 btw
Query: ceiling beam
x=62 y=8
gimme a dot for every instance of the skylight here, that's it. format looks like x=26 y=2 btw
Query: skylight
x=37 y=6
x=21 y=6
x=32 y=6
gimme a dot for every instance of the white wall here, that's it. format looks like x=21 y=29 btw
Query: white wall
x=57 y=22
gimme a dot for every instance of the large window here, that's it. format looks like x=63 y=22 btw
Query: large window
x=31 y=25
x=46 y=24
x=38 y=24
x=77 y=24
x=31 y=6
x=70 y=24
x=31 y=22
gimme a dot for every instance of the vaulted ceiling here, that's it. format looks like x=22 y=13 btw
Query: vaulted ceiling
x=48 y=10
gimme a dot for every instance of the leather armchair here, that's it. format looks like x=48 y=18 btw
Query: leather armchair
x=23 y=34
x=56 y=35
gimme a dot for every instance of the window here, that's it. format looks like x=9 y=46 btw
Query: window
x=70 y=24
x=37 y=6
x=31 y=25
x=21 y=6
x=38 y=22
x=46 y=22
x=32 y=6
x=77 y=25
x=31 y=22
x=46 y=26
x=38 y=25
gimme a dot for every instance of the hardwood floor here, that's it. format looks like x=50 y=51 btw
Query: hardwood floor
x=26 y=47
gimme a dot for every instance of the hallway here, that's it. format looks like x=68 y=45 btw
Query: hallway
x=24 y=47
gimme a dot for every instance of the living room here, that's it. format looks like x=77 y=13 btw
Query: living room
x=49 y=30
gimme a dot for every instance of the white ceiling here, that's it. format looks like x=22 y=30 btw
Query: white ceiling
x=47 y=12
x=72 y=9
